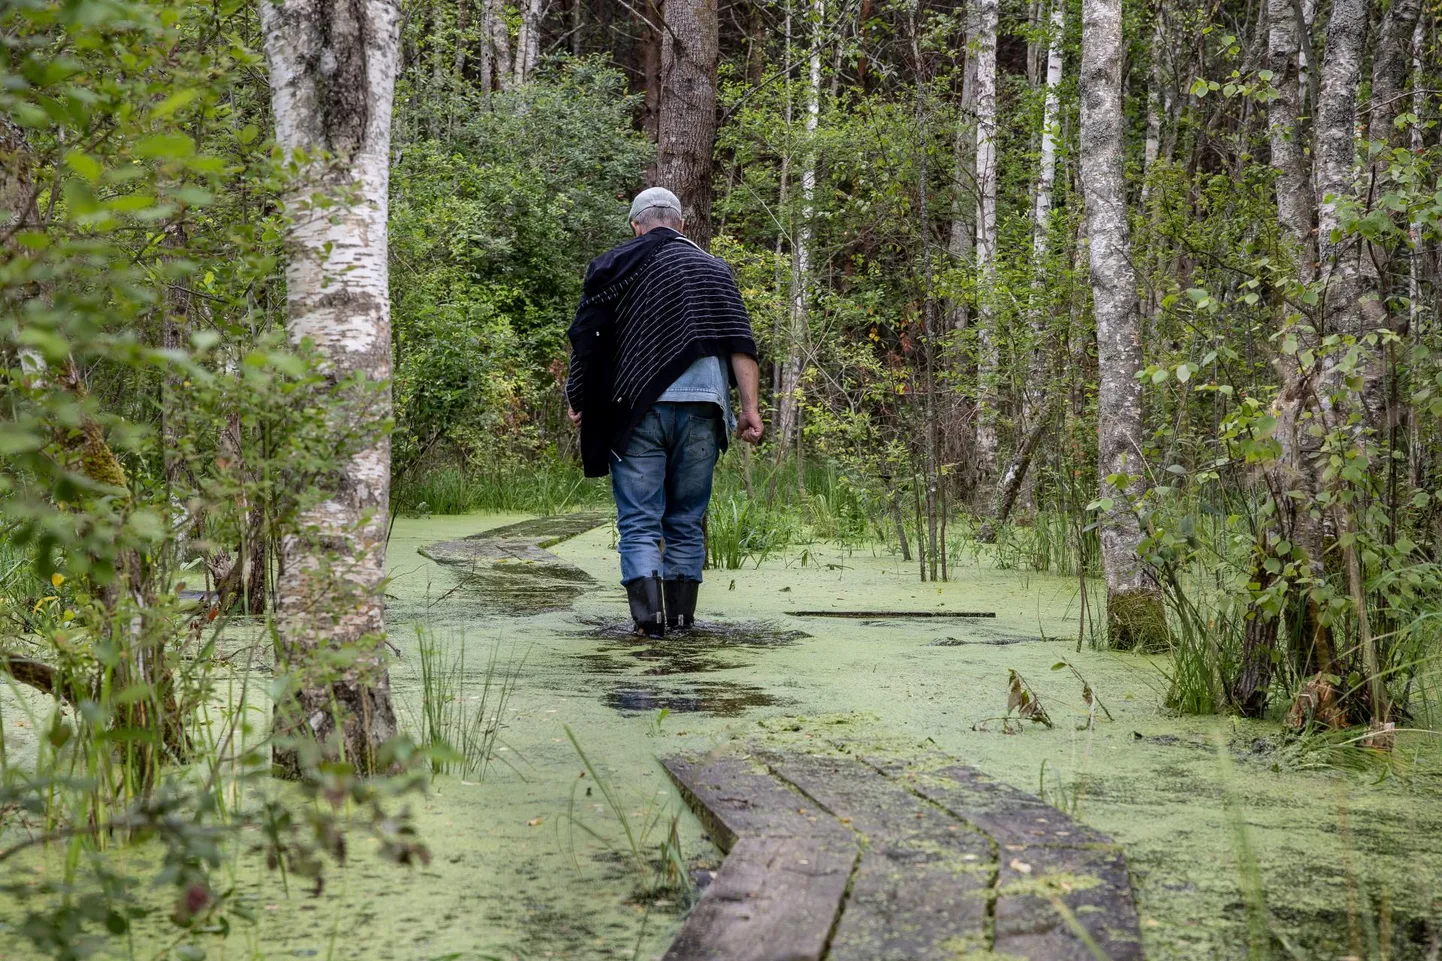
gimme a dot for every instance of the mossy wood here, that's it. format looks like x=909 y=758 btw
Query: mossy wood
x=950 y=863
x=509 y=569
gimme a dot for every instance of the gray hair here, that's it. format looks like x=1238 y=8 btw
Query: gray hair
x=652 y=217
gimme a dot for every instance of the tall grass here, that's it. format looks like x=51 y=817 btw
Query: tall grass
x=546 y=487
x=460 y=717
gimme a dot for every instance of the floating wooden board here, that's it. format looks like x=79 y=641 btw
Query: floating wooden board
x=884 y=615
x=832 y=858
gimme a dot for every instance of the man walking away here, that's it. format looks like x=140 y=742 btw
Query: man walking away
x=659 y=338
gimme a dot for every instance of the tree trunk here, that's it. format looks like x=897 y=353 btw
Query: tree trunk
x=1151 y=148
x=1041 y=215
x=528 y=41
x=332 y=72
x=687 y=127
x=988 y=13
x=651 y=30
x=1011 y=479
x=963 y=209
x=787 y=416
x=487 y=49
x=1135 y=616
x=501 y=44
x=1390 y=62
x=1289 y=158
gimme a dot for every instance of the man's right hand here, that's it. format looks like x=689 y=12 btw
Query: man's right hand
x=575 y=416
x=749 y=427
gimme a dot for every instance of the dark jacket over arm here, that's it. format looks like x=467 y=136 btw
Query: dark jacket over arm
x=649 y=309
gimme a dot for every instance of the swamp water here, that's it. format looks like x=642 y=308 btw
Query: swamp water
x=530 y=861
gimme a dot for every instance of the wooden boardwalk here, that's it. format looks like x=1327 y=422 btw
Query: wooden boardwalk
x=847 y=859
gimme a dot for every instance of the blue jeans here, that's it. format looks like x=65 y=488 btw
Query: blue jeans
x=662 y=485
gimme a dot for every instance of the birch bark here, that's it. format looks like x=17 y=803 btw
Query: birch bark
x=528 y=41
x=1135 y=618
x=1013 y=479
x=1294 y=193
x=501 y=44
x=988 y=15
x=332 y=74
x=792 y=371
x=963 y=210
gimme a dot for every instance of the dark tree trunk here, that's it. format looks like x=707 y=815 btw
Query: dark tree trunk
x=651 y=30
x=686 y=133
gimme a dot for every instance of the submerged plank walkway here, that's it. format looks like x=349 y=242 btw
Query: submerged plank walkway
x=847 y=859
x=508 y=569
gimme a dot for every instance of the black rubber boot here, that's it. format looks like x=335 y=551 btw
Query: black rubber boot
x=648 y=609
x=681 y=603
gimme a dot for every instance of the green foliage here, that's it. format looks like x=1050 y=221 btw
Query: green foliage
x=492 y=226
x=154 y=422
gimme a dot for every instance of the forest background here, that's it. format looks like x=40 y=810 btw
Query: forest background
x=1141 y=293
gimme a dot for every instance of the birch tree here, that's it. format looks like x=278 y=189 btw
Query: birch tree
x=1035 y=410
x=332 y=75
x=794 y=367
x=987 y=19
x=686 y=129
x=963 y=211
x=1135 y=617
x=528 y=42
x=1285 y=136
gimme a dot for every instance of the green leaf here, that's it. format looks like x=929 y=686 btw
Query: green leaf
x=15 y=440
x=147 y=525
x=1184 y=372
x=84 y=165
x=167 y=146
x=29 y=115
x=173 y=103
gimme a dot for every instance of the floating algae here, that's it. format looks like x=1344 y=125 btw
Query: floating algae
x=717 y=698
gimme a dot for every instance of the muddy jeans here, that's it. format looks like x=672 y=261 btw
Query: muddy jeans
x=662 y=486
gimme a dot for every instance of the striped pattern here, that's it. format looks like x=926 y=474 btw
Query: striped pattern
x=682 y=296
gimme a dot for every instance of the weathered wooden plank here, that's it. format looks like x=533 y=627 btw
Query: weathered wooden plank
x=774 y=899
x=1091 y=885
x=734 y=798
x=1009 y=815
x=921 y=889
x=1044 y=854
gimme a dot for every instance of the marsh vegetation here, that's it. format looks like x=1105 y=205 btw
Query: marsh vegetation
x=1116 y=320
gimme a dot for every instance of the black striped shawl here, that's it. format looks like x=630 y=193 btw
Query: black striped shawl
x=650 y=308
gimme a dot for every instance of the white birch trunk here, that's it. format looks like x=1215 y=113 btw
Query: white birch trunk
x=332 y=77
x=1151 y=149
x=501 y=44
x=988 y=15
x=1335 y=163
x=1284 y=131
x=1046 y=174
x=791 y=375
x=528 y=41
x=1135 y=618
x=1304 y=66
x=963 y=222
x=1414 y=254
